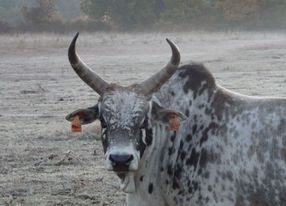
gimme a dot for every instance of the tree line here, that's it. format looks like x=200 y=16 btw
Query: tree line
x=148 y=14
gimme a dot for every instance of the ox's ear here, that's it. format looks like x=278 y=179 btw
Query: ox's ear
x=86 y=116
x=170 y=117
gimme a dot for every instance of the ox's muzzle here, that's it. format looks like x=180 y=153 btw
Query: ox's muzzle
x=122 y=162
x=122 y=159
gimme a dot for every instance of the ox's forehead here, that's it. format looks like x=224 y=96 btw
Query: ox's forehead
x=123 y=109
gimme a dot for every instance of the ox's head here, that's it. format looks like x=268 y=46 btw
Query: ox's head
x=125 y=113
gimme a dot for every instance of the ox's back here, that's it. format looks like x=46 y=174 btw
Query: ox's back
x=230 y=151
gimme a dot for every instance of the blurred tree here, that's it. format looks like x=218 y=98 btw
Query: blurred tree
x=253 y=14
x=124 y=13
x=45 y=11
x=70 y=9
x=240 y=10
x=132 y=14
x=188 y=12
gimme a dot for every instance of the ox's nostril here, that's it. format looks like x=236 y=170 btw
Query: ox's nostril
x=123 y=160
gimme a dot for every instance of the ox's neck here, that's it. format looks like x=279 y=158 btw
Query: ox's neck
x=147 y=178
x=159 y=168
x=161 y=165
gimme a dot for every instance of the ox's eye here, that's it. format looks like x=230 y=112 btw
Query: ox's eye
x=103 y=133
x=144 y=123
x=103 y=122
x=143 y=127
x=143 y=135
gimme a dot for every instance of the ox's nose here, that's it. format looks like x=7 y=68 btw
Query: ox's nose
x=121 y=162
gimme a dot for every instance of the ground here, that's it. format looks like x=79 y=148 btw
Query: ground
x=42 y=162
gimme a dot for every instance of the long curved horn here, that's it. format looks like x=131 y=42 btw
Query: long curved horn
x=154 y=83
x=84 y=72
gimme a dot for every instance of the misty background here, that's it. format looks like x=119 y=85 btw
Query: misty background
x=148 y=15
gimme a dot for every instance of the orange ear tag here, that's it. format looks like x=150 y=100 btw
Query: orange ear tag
x=174 y=123
x=76 y=126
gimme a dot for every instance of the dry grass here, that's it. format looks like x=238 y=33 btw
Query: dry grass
x=41 y=162
x=52 y=40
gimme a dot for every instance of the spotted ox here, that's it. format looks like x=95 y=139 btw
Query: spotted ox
x=230 y=149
